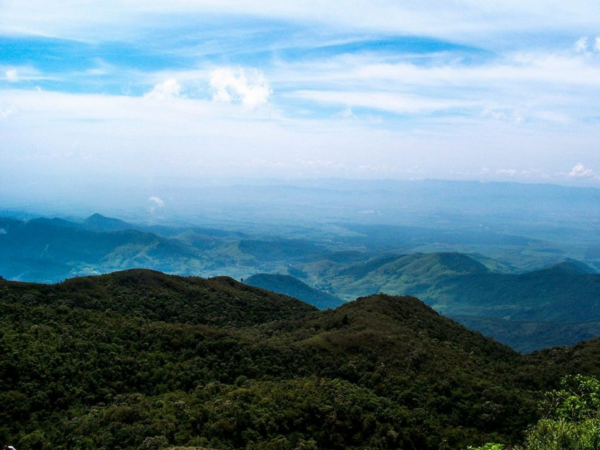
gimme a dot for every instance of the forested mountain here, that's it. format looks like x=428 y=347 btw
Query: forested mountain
x=106 y=362
x=458 y=284
x=558 y=305
x=155 y=296
x=288 y=285
x=51 y=250
x=527 y=336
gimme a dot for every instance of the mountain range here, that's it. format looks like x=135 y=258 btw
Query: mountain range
x=142 y=359
x=528 y=310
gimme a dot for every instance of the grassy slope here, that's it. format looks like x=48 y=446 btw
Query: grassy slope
x=456 y=284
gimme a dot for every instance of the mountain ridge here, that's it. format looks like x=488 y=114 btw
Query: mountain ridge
x=120 y=363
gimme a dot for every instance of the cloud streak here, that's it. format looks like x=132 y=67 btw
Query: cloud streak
x=459 y=20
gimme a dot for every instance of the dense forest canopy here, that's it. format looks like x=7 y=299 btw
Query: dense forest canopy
x=139 y=358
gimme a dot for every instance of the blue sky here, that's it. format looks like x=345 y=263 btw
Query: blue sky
x=144 y=89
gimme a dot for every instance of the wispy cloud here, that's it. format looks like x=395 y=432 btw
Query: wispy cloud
x=447 y=86
x=587 y=45
x=458 y=20
x=383 y=101
x=4 y=113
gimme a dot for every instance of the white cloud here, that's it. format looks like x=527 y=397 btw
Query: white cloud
x=585 y=45
x=12 y=75
x=581 y=46
x=165 y=90
x=580 y=171
x=347 y=113
x=509 y=172
x=250 y=88
x=158 y=202
x=517 y=88
x=165 y=138
x=21 y=73
x=508 y=71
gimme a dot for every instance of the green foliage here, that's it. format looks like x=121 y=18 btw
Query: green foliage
x=488 y=446
x=561 y=434
x=141 y=359
x=572 y=418
x=578 y=400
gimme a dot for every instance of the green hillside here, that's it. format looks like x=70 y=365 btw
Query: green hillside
x=288 y=285
x=154 y=296
x=415 y=274
x=462 y=286
x=527 y=336
x=103 y=362
x=458 y=285
x=42 y=249
x=559 y=294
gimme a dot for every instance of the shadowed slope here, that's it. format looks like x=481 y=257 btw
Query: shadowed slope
x=288 y=285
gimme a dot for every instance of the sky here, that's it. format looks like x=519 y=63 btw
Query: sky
x=126 y=90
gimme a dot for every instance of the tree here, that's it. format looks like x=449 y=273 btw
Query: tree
x=571 y=418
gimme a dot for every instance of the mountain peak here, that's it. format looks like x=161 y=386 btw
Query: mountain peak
x=98 y=222
x=573 y=266
x=460 y=263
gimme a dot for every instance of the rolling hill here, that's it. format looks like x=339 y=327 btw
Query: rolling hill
x=559 y=305
x=456 y=284
x=50 y=250
x=529 y=311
